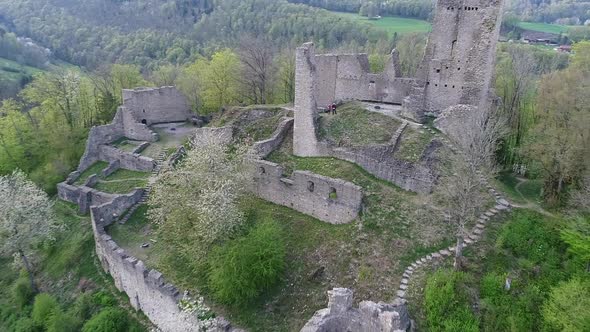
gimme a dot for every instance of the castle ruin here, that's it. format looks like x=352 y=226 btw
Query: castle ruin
x=457 y=69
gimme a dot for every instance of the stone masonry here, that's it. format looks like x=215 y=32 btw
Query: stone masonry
x=368 y=317
x=458 y=65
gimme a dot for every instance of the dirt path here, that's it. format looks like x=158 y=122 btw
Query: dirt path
x=529 y=204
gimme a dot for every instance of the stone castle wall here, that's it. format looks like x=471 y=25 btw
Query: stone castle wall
x=305 y=142
x=148 y=291
x=157 y=105
x=84 y=197
x=265 y=147
x=98 y=136
x=343 y=77
x=127 y=160
x=331 y=200
x=414 y=177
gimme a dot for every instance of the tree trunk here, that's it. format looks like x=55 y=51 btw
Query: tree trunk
x=29 y=270
x=457 y=264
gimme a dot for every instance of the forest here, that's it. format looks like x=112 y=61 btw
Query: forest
x=223 y=54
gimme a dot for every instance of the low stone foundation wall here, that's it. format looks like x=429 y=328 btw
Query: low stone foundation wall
x=84 y=197
x=331 y=200
x=127 y=160
x=409 y=176
x=263 y=148
x=148 y=291
x=369 y=317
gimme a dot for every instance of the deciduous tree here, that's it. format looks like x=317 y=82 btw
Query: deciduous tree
x=26 y=218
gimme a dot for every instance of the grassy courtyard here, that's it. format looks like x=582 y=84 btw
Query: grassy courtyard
x=94 y=169
x=353 y=125
x=122 y=181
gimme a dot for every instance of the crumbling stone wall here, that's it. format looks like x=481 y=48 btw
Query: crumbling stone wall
x=84 y=197
x=331 y=200
x=127 y=160
x=157 y=105
x=417 y=177
x=98 y=136
x=343 y=77
x=263 y=148
x=369 y=317
x=147 y=289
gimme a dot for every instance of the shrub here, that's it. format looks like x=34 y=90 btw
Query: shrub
x=108 y=320
x=567 y=306
x=447 y=304
x=59 y=321
x=43 y=307
x=26 y=324
x=84 y=306
x=22 y=292
x=244 y=268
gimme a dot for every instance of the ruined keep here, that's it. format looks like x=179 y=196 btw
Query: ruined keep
x=458 y=65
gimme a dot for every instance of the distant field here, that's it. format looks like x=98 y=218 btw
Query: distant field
x=392 y=25
x=13 y=71
x=544 y=27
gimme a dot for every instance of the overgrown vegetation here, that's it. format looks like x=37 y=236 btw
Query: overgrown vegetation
x=519 y=279
x=75 y=288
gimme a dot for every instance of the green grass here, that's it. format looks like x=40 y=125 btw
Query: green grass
x=544 y=27
x=135 y=232
x=126 y=144
x=13 y=71
x=412 y=144
x=530 y=190
x=356 y=126
x=253 y=126
x=94 y=169
x=120 y=187
x=392 y=25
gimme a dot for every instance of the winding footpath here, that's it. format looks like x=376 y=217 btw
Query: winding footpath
x=471 y=238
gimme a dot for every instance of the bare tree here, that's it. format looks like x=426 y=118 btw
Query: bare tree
x=463 y=193
x=256 y=56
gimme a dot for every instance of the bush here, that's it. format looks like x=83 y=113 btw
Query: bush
x=22 y=292
x=108 y=320
x=567 y=306
x=26 y=324
x=85 y=306
x=43 y=307
x=59 y=321
x=244 y=268
x=447 y=303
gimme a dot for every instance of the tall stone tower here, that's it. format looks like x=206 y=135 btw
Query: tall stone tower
x=458 y=65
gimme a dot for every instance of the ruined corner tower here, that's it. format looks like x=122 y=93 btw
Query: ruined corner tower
x=458 y=65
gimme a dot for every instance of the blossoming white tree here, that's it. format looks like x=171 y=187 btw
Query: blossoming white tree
x=26 y=218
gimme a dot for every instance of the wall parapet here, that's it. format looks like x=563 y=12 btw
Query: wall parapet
x=331 y=200
x=127 y=160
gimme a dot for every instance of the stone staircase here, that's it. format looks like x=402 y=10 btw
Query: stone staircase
x=159 y=161
x=474 y=235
